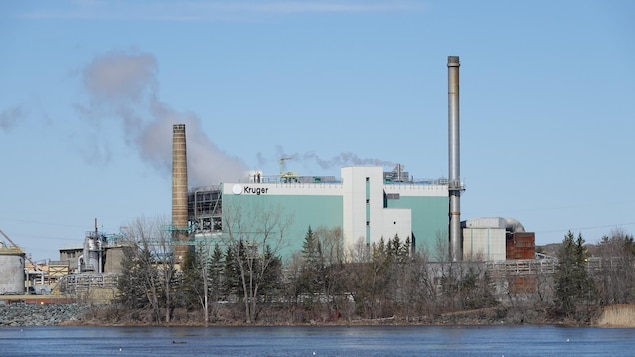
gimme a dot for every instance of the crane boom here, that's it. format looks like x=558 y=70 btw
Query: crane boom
x=35 y=266
x=282 y=160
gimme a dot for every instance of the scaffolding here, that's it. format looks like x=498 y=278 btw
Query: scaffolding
x=205 y=209
x=79 y=283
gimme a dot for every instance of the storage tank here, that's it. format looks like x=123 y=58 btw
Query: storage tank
x=93 y=252
x=12 y=268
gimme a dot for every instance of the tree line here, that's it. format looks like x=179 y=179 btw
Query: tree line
x=243 y=279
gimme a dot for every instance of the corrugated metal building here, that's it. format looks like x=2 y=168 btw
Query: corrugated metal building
x=484 y=244
x=496 y=238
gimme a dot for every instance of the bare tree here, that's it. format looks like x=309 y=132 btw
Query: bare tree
x=334 y=276
x=203 y=274
x=332 y=242
x=152 y=263
x=292 y=283
x=615 y=276
x=256 y=237
x=359 y=252
x=441 y=247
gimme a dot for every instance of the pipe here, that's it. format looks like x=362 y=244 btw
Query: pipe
x=455 y=187
x=100 y=256
x=513 y=225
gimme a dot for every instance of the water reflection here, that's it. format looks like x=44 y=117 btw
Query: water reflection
x=317 y=341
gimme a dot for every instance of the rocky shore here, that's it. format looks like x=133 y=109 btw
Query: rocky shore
x=39 y=315
x=17 y=315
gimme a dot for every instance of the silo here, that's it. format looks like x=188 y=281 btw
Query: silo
x=12 y=268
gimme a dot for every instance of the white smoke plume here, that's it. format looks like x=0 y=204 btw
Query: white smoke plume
x=346 y=159
x=9 y=117
x=338 y=161
x=124 y=86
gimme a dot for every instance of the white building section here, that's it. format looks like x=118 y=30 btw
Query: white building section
x=484 y=244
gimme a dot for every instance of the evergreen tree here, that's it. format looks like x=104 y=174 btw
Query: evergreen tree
x=312 y=267
x=191 y=279
x=309 y=246
x=217 y=276
x=574 y=288
x=232 y=285
x=271 y=276
x=131 y=293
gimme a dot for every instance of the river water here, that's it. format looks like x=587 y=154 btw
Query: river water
x=317 y=341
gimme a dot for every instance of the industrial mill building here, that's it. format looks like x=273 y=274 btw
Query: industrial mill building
x=366 y=204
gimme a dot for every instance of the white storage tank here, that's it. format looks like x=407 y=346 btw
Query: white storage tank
x=12 y=268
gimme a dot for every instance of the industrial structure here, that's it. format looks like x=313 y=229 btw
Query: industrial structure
x=496 y=239
x=87 y=269
x=179 y=191
x=455 y=186
x=366 y=203
x=99 y=253
x=12 y=267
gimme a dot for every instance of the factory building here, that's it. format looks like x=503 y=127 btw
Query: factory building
x=496 y=239
x=366 y=204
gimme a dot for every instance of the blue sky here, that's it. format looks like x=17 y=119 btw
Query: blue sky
x=89 y=90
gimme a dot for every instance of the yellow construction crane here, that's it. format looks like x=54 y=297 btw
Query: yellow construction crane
x=287 y=176
x=282 y=160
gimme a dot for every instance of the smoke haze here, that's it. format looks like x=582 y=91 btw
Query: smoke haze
x=9 y=117
x=338 y=161
x=346 y=159
x=123 y=86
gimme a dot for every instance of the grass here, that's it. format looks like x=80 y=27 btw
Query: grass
x=618 y=316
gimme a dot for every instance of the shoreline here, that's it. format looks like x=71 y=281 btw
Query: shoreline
x=22 y=315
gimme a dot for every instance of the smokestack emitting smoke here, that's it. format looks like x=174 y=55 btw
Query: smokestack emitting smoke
x=179 y=189
x=455 y=186
x=123 y=86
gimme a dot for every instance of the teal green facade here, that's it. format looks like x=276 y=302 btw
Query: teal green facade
x=429 y=216
x=429 y=219
x=304 y=211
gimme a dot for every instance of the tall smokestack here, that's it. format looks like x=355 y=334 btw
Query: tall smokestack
x=455 y=186
x=179 y=190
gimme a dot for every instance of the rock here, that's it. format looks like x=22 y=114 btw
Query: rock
x=39 y=315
